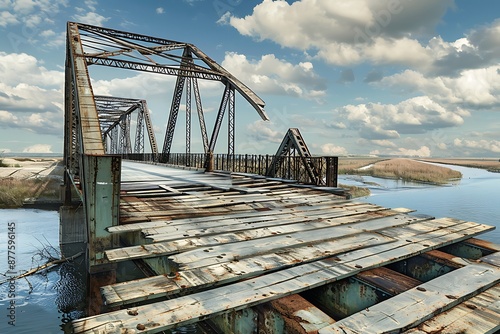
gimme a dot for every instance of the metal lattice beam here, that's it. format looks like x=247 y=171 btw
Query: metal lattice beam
x=293 y=145
x=114 y=113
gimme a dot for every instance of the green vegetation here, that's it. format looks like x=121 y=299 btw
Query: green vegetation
x=13 y=192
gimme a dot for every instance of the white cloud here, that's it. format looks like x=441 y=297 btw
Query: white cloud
x=332 y=149
x=388 y=121
x=38 y=148
x=474 y=88
x=384 y=143
x=6 y=18
x=160 y=10
x=31 y=96
x=91 y=18
x=271 y=75
x=423 y=152
x=347 y=32
x=262 y=131
x=91 y=4
x=492 y=146
x=30 y=12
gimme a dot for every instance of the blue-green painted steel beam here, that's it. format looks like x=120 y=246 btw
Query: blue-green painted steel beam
x=101 y=187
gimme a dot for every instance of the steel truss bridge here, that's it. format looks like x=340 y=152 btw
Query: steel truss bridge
x=244 y=252
x=101 y=130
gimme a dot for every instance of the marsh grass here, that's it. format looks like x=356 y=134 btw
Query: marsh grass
x=411 y=170
x=351 y=165
x=356 y=191
x=13 y=192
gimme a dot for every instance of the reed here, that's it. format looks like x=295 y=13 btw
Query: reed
x=351 y=165
x=13 y=192
x=356 y=191
x=411 y=170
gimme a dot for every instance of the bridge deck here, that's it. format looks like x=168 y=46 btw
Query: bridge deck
x=222 y=243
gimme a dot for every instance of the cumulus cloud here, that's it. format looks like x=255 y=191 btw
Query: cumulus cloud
x=262 y=131
x=92 y=18
x=332 y=149
x=489 y=146
x=384 y=143
x=160 y=10
x=475 y=88
x=30 y=95
x=271 y=75
x=388 y=121
x=27 y=86
x=423 y=152
x=347 y=32
x=31 y=13
x=38 y=148
x=6 y=19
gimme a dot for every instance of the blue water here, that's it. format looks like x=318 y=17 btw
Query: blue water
x=474 y=198
x=40 y=300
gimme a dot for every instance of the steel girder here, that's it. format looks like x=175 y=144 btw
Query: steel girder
x=293 y=144
x=120 y=49
x=115 y=113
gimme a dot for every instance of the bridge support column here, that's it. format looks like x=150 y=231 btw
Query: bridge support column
x=102 y=201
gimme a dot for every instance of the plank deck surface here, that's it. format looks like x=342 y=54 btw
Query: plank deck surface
x=237 y=241
x=422 y=303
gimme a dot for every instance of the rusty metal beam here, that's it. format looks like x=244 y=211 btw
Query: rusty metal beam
x=90 y=130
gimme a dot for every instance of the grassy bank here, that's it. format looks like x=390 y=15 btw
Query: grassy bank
x=410 y=170
x=13 y=192
x=356 y=191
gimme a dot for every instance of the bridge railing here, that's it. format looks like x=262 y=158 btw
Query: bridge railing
x=290 y=167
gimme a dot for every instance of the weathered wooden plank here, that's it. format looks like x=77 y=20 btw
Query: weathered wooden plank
x=272 y=219
x=492 y=259
x=188 y=309
x=162 y=285
x=478 y=315
x=246 y=217
x=372 y=257
x=288 y=239
x=417 y=305
x=245 y=231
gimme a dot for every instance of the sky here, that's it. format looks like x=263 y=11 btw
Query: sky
x=357 y=77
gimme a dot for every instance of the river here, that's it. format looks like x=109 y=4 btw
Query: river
x=474 y=198
x=49 y=301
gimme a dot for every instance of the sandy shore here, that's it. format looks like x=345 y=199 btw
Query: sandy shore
x=31 y=168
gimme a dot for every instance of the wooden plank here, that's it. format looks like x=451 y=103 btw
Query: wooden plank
x=223 y=220
x=478 y=315
x=284 y=237
x=278 y=223
x=417 y=305
x=189 y=309
x=387 y=217
x=200 y=278
x=196 y=278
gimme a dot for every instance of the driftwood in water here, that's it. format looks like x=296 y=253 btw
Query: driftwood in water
x=42 y=267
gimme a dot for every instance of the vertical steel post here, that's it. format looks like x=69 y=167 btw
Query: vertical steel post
x=188 y=119
x=231 y=122
x=332 y=168
x=102 y=199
